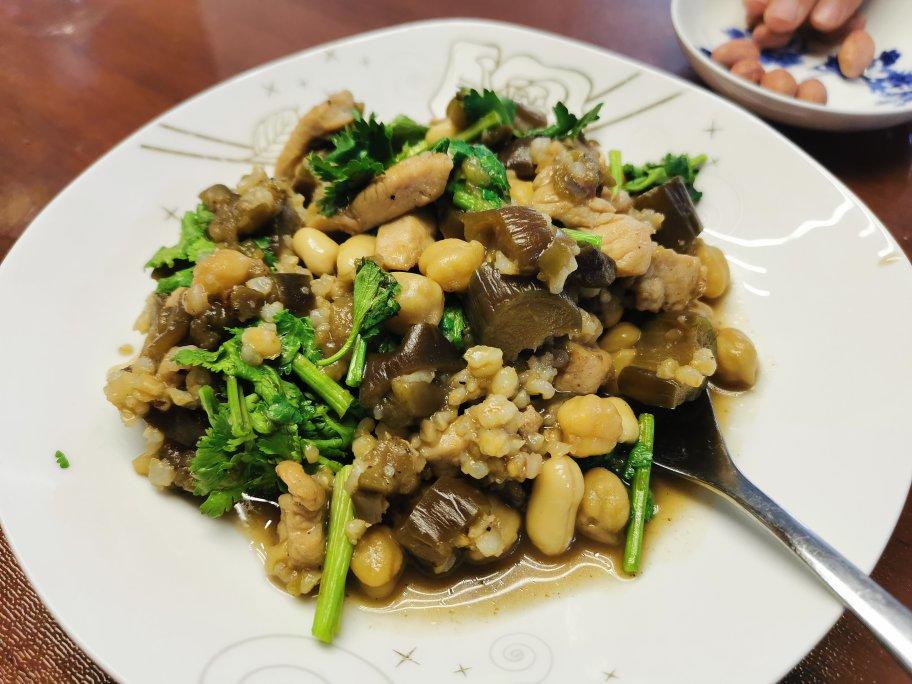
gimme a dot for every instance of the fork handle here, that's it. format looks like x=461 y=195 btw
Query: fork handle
x=887 y=618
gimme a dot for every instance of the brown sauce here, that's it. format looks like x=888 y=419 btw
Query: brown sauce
x=485 y=590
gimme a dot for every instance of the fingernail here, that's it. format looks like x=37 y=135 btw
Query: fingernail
x=827 y=15
x=784 y=12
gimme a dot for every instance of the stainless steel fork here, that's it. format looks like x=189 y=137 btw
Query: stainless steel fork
x=688 y=443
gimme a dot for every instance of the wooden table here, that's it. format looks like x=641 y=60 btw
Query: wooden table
x=76 y=76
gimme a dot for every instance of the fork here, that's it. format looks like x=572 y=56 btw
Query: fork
x=688 y=443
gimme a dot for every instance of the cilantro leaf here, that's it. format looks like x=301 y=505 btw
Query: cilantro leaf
x=297 y=335
x=405 y=131
x=453 y=325
x=478 y=104
x=269 y=257
x=649 y=175
x=169 y=284
x=374 y=301
x=193 y=241
x=480 y=180
x=566 y=125
x=61 y=459
x=360 y=152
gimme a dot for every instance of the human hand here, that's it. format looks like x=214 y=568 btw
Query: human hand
x=777 y=20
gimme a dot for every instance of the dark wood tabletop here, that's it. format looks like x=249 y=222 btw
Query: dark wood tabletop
x=76 y=76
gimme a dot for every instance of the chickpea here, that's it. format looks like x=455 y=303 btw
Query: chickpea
x=451 y=262
x=221 y=270
x=605 y=507
x=622 y=336
x=551 y=514
x=420 y=301
x=377 y=561
x=736 y=357
x=630 y=427
x=590 y=424
x=317 y=250
x=351 y=252
x=717 y=274
x=401 y=242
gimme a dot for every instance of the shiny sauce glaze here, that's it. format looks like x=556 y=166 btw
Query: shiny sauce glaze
x=525 y=576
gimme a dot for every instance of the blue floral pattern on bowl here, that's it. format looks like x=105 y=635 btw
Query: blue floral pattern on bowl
x=891 y=85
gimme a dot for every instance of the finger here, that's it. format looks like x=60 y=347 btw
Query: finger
x=767 y=40
x=857 y=22
x=829 y=15
x=783 y=16
x=754 y=10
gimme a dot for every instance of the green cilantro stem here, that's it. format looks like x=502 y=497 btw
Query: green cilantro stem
x=337 y=397
x=616 y=168
x=584 y=238
x=237 y=409
x=641 y=455
x=339 y=549
x=698 y=161
x=356 y=365
x=208 y=402
x=655 y=176
x=489 y=120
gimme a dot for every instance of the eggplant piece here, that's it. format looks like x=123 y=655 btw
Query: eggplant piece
x=207 y=328
x=369 y=506
x=171 y=327
x=521 y=233
x=577 y=173
x=516 y=313
x=443 y=513
x=244 y=302
x=528 y=118
x=423 y=348
x=518 y=157
x=287 y=221
x=594 y=268
x=681 y=224
x=217 y=196
x=450 y=219
x=179 y=458
x=181 y=426
x=293 y=290
x=672 y=335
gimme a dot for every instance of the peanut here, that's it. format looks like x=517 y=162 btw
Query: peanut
x=748 y=69
x=855 y=54
x=734 y=51
x=812 y=90
x=780 y=81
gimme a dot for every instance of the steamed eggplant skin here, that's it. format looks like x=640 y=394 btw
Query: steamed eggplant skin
x=521 y=233
x=594 y=268
x=662 y=372
x=442 y=514
x=516 y=313
x=423 y=348
x=681 y=224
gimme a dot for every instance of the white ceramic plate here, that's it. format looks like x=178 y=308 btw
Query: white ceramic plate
x=882 y=98
x=156 y=592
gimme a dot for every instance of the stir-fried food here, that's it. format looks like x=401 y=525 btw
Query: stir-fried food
x=424 y=343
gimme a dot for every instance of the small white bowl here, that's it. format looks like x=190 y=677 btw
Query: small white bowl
x=881 y=98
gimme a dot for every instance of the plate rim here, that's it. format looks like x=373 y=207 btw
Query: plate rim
x=28 y=234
